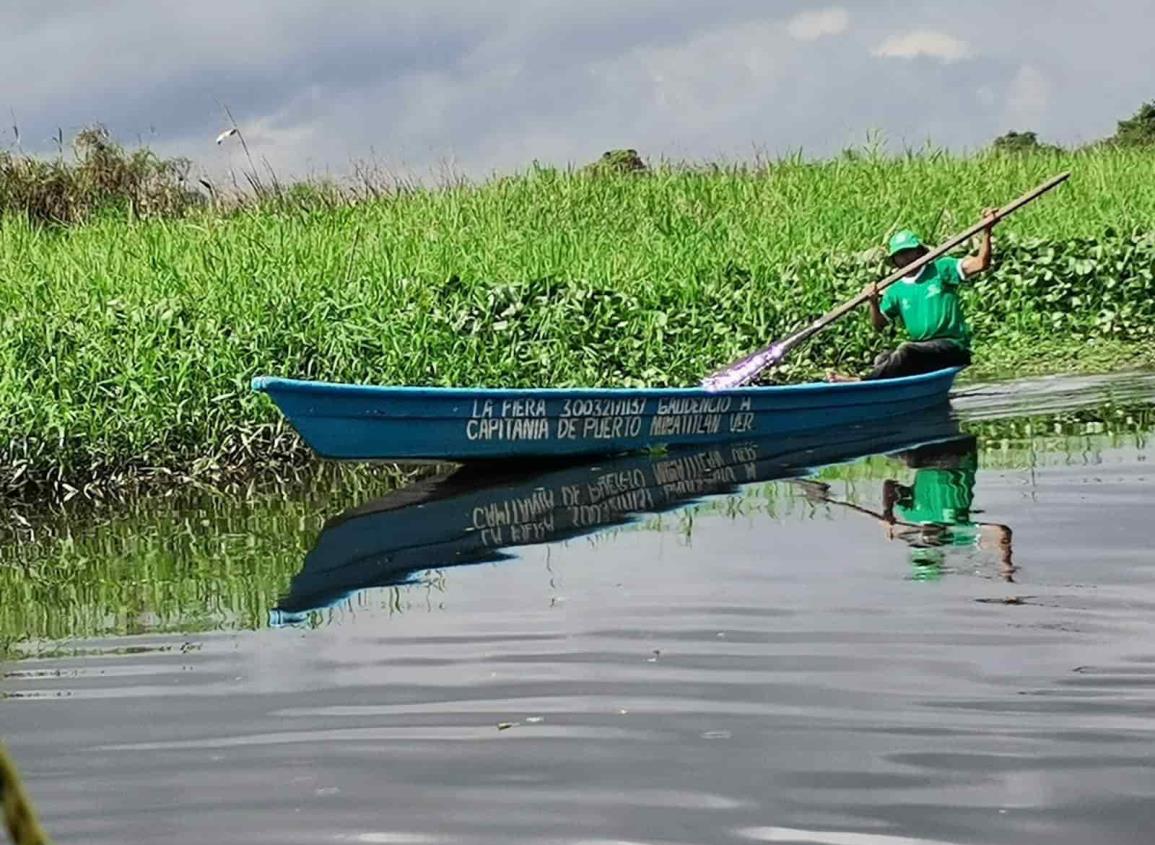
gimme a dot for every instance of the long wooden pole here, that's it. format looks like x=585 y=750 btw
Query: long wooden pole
x=743 y=370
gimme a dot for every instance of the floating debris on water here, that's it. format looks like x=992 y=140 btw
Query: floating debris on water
x=1012 y=600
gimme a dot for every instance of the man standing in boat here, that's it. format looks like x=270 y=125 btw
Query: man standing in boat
x=927 y=303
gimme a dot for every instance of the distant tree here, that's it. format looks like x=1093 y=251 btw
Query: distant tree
x=1021 y=142
x=1138 y=130
x=619 y=161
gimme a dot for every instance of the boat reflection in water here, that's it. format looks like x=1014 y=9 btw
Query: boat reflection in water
x=476 y=514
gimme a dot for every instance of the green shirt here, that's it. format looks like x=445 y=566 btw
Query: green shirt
x=929 y=305
x=940 y=496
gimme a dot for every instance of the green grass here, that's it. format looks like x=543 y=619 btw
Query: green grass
x=129 y=344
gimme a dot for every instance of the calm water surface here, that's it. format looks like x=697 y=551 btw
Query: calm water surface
x=953 y=643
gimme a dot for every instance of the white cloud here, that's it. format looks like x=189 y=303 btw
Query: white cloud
x=808 y=26
x=703 y=82
x=923 y=42
x=1028 y=96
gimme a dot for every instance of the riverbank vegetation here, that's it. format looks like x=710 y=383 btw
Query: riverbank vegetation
x=130 y=333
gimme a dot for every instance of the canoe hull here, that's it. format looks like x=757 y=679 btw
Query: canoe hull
x=354 y=422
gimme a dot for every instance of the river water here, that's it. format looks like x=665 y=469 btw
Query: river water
x=951 y=641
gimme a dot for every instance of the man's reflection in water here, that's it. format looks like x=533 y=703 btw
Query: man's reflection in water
x=933 y=513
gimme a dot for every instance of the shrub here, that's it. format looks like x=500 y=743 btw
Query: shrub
x=101 y=177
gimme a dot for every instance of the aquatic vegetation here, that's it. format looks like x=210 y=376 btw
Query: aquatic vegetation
x=128 y=343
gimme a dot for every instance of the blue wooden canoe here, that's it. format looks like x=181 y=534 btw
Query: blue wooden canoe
x=477 y=514
x=358 y=422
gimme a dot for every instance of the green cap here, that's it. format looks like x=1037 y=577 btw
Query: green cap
x=905 y=239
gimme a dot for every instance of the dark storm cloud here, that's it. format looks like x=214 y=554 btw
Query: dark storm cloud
x=495 y=85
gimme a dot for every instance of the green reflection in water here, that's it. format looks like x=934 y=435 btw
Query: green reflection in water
x=193 y=562
x=204 y=562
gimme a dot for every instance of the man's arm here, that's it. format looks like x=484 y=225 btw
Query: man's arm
x=890 y=496
x=974 y=264
x=877 y=318
x=994 y=535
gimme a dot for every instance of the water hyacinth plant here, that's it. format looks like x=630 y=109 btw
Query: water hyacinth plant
x=129 y=341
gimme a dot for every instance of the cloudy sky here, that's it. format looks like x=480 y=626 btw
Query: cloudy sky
x=490 y=85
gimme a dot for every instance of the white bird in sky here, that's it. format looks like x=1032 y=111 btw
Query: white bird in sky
x=228 y=133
